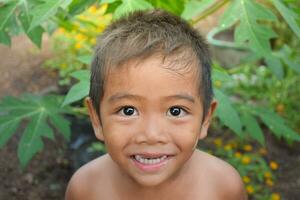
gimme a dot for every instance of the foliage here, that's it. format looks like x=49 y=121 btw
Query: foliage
x=73 y=42
x=254 y=24
x=37 y=111
x=256 y=171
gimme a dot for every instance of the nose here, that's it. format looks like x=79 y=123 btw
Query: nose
x=152 y=130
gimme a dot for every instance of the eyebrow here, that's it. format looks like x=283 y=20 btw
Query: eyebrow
x=120 y=96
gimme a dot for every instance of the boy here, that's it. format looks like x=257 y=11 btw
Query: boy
x=150 y=101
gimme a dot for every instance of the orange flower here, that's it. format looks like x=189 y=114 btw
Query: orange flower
x=218 y=142
x=246 y=179
x=247 y=147
x=250 y=189
x=246 y=160
x=267 y=175
x=273 y=165
x=238 y=154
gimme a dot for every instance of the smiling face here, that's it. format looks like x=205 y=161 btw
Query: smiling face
x=150 y=119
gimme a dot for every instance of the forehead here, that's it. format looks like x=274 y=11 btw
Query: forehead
x=153 y=76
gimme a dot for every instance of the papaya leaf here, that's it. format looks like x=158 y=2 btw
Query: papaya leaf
x=250 y=32
x=227 y=114
x=77 y=6
x=128 y=6
x=44 y=11
x=4 y=38
x=231 y=15
x=289 y=15
x=36 y=33
x=275 y=66
x=193 y=8
x=37 y=110
x=252 y=127
x=276 y=124
x=175 y=7
x=7 y=12
x=79 y=90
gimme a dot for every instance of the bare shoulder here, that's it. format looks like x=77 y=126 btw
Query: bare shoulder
x=83 y=181
x=224 y=177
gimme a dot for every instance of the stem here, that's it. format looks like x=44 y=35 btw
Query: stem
x=217 y=5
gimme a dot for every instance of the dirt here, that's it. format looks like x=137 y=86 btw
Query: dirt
x=47 y=175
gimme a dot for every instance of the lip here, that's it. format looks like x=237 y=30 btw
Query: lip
x=151 y=167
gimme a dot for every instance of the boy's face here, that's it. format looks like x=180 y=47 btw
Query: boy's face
x=151 y=120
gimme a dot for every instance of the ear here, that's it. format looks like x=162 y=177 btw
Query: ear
x=207 y=119
x=95 y=120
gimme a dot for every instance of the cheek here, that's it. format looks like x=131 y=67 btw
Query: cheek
x=186 y=135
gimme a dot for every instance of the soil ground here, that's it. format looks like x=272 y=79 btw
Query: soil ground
x=47 y=175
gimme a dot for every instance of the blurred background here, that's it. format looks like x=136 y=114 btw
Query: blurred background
x=45 y=54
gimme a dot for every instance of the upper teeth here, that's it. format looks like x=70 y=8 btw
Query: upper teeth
x=149 y=161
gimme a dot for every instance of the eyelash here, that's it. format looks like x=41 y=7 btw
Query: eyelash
x=182 y=110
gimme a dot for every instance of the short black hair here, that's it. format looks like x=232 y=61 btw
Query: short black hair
x=144 y=33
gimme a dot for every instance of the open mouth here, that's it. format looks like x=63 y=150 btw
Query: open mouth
x=149 y=160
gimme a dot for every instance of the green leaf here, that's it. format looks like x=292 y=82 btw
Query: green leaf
x=62 y=125
x=37 y=110
x=85 y=59
x=276 y=124
x=77 y=6
x=275 y=66
x=36 y=33
x=231 y=15
x=289 y=16
x=44 y=11
x=252 y=127
x=221 y=75
x=79 y=90
x=175 y=7
x=128 y=6
x=249 y=31
x=6 y=12
x=8 y=125
x=4 y=38
x=194 y=8
x=227 y=114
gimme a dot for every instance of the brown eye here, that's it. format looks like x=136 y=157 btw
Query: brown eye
x=176 y=111
x=128 y=111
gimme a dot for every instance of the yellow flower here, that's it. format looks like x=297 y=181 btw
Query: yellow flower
x=275 y=196
x=218 y=83
x=246 y=160
x=263 y=151
x=61 y=30
x=218 y=142
x=247 y=147
x=238 y=154
x=92 y=9
x=246 y=179
x=250 y=189
x=77 y=45
x=80 y=37
x=227 y=147
x=269 y=182
x=267 y=175
x=273 y=165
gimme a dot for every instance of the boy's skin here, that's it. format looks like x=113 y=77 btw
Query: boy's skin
x=151 y=110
